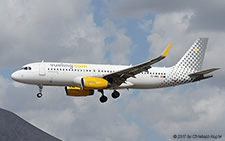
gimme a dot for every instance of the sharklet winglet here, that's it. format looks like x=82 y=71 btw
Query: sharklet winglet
x=167 y=50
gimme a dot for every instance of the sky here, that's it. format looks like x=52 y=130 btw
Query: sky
x=120 y=32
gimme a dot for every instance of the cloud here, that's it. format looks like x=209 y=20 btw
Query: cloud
x=208 y=15
x=195 y=111
x=55 y=31
x=145 y=25
x=193 y=108
x=173 y=28
x=119 y=45
x=61 y=31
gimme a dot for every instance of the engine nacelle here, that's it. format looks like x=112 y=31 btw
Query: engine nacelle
x=94 y=83
x=76 y=91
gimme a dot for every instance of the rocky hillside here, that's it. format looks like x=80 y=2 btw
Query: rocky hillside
x=14 y=128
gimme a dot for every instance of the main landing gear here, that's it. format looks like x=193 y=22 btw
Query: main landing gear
x=115 y=94
x=103 y=98
x=39 y=95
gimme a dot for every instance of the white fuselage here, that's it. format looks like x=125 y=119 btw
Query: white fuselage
x=69 y=74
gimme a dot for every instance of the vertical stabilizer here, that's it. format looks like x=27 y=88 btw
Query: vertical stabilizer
x=193 y=58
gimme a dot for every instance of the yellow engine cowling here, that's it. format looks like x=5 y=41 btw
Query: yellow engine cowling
x=76 y=91
x=94 y=83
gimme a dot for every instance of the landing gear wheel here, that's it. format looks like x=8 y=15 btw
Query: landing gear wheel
x=103 y=99
x=39 y=95
x=115 y=94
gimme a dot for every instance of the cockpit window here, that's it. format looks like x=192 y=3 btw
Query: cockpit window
x=26 y=68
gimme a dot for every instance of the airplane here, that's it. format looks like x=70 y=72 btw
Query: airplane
x=82 y=80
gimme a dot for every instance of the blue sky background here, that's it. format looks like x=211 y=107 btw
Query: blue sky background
x=114 y=32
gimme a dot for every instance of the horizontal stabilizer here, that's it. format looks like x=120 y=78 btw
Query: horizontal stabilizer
x=203 y=72
x=201 y=75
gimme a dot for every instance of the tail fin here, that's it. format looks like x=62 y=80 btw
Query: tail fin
x=193 y=58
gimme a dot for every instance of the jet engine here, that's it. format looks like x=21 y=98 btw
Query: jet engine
x=94 y=83
x=76 y=91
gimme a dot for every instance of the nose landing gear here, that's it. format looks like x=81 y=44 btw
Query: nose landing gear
x=39 y=95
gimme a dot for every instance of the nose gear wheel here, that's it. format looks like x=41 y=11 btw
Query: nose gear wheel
x=39 y=95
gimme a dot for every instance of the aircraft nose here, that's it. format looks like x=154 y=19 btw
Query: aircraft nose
x=15 y=76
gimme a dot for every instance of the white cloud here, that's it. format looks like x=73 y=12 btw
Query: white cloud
x=145 y=25
x=56 y=31
x=119 y=46
x=195 y=111
x=173 y=28
x=208 y=14
x=61 y=31
x=191 y=109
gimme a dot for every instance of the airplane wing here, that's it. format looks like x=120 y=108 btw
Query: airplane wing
x=201 y=75
x=121 y=76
